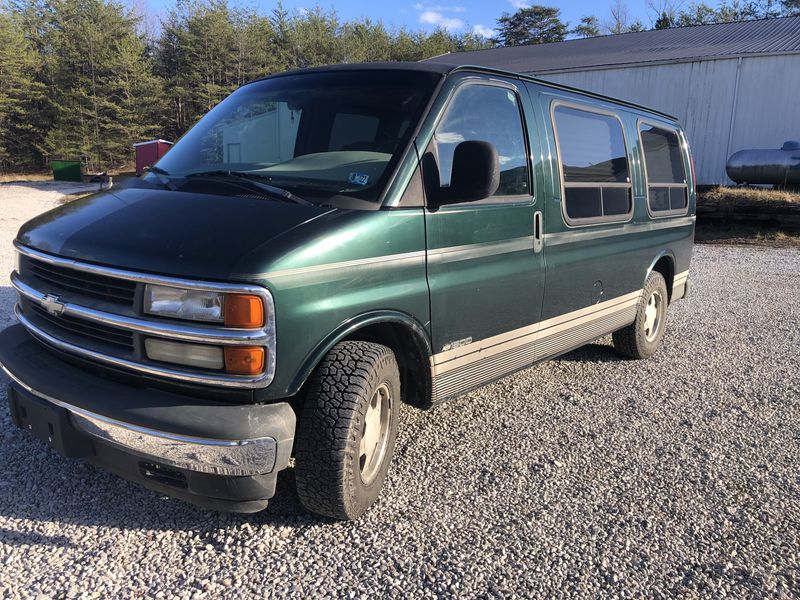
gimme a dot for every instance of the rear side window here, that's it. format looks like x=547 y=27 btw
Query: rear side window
x=667 y=189
x=487 y=113
x=594 y=165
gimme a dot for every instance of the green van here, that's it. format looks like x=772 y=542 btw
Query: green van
x=325 y=245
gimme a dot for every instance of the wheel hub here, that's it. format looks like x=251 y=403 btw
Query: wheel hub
x=375 y=434
x=652 y=316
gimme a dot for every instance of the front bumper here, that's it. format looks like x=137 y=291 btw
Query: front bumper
x=219 y=455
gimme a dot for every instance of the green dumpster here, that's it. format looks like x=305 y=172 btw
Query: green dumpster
x=66 y=170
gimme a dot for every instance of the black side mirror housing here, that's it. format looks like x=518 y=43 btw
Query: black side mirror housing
x=475 y=174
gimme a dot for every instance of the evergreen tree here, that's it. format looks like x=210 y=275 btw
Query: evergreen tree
x=103 y=93
x=664 y=21
x=790 y=8
x=19 y=89
x=589 y=27
x=532 y=25
x=698 y=14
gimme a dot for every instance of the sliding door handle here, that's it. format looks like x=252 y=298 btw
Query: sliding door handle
x=538 y=232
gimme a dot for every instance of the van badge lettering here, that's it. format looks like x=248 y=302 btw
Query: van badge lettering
x=53 y=305
x=358 y=179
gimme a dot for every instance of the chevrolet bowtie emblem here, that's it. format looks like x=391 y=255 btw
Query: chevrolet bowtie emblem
x=53 y=305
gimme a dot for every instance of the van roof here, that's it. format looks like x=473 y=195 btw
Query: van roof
x=445 y=68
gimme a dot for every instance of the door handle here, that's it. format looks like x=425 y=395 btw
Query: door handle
x=538 y=233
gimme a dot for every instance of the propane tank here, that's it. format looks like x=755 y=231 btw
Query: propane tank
x=776 y=167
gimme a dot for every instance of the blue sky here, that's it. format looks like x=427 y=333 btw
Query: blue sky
x=455 y=15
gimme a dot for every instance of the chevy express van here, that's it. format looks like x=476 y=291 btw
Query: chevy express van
x=325 y=245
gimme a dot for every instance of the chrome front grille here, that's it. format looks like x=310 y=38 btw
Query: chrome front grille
x=95 y=312
x=99 y=287
x=64 y=327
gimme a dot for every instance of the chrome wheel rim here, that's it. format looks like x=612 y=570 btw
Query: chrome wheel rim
x=653 y=315
x=375 y=434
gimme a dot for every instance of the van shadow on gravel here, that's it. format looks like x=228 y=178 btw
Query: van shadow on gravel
x=596 y=353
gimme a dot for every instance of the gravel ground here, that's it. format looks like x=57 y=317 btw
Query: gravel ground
x=585 y=476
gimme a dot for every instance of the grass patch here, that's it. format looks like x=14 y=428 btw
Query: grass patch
x=744 y=196
x=748 y=215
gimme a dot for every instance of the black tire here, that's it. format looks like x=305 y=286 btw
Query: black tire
x=330 y=468
x=637 y=340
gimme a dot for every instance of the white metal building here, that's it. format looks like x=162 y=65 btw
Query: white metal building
x=734 y=86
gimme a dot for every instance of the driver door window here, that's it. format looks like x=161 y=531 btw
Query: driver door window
x=487 y=113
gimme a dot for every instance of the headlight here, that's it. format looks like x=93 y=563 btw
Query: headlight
x=233 y=310
x=196 y=305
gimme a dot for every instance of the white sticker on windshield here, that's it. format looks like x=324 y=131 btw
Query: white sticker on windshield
x=358 y=178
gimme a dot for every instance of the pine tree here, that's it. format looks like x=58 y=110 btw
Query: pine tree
x=664 y=21
x=18 y=90
x=533 y=25
x=101 y=92
x=589 y=27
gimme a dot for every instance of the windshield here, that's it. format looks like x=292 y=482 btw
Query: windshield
x=318 y=134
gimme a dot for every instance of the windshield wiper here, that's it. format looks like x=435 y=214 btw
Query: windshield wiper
x=250 y=177
x=161 y=175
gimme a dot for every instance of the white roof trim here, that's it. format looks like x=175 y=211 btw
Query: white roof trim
x=153 y=142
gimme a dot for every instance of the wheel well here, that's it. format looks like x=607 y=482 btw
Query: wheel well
x=665 y=266
x=412 y=359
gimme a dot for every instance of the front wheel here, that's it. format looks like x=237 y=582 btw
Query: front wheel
x=346 y=432
x=642 y=338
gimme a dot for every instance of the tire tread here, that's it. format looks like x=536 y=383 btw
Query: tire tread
x=325 y=435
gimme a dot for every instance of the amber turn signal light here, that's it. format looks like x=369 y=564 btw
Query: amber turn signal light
x=244 y=360
x=244 y=310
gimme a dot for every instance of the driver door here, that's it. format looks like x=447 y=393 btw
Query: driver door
x=485 y=265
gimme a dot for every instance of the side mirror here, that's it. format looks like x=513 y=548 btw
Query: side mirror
x=475 y=174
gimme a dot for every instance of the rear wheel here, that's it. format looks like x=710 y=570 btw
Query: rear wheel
x=642 y=338
x=346 y=433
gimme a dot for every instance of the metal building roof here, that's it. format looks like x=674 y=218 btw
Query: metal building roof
x=701 y=42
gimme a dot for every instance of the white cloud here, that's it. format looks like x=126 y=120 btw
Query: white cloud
x=482 y=30
x=518 y=4
x=454 y=8
x=432 y=17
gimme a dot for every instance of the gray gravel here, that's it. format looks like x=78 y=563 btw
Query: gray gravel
x=588 y=475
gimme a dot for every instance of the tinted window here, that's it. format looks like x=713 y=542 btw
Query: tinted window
x=488 y=114
x=592 y=146
x=594 y=164
x=666 y=177
x=662 y=155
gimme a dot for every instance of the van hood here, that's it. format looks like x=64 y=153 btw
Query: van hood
x=167 y=232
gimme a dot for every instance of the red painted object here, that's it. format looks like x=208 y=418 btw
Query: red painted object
x=148 y=153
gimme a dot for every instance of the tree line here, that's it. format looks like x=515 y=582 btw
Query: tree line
x=539 y=24
x=85 y=79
